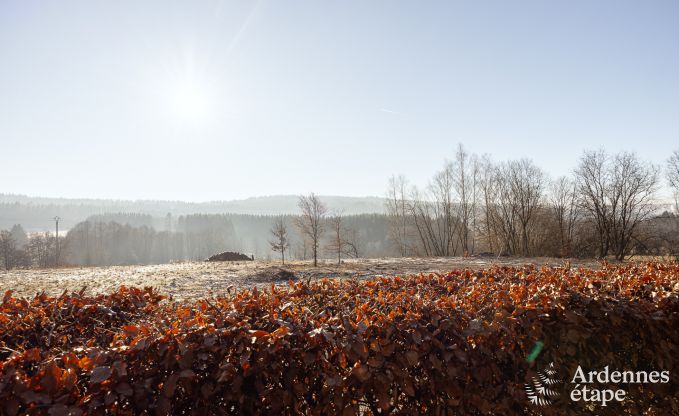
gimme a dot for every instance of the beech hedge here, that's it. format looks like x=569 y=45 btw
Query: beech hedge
x=439 y=344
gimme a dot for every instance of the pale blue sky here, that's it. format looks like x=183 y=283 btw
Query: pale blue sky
x=205 y=100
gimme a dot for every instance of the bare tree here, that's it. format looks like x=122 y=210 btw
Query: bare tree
x=7 y=249
x=592 y=179
x=398 y=214
x=487 y=189
x=419 y=211
x=512 y=195
x=465 y=172
x=564 y=204
x=433 y=215
x=476 y=176
x=632 y=192
x=39 y=249
x=527 y=183
x=19 y=235
x=618 y=195
x=673 y=177
x=311 y=221
x=352 y=243
x=502 y=213
x=279 y=231
x=338 y=241
x=446 y=224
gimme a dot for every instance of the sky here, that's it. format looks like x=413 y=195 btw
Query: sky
x=220 y=100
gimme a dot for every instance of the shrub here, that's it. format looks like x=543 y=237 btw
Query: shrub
x=427 y=344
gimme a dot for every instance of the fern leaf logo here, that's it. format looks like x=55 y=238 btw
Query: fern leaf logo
x=540 y=391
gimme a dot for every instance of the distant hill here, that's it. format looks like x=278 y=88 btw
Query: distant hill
x=35 y=213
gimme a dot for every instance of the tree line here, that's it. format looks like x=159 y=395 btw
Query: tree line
x=607 y=207
x=18 y=249
x=128 y=238
x=315 y=226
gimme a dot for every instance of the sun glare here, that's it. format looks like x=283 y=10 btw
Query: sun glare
x=191 y=103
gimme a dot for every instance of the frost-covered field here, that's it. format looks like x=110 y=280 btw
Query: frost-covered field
x=199 y=279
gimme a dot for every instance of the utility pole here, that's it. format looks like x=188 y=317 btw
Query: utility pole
x=56 y=260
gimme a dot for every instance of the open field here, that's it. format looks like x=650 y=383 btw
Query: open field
x=193 y=280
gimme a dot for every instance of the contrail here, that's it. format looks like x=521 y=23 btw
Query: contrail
x=243 y=28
